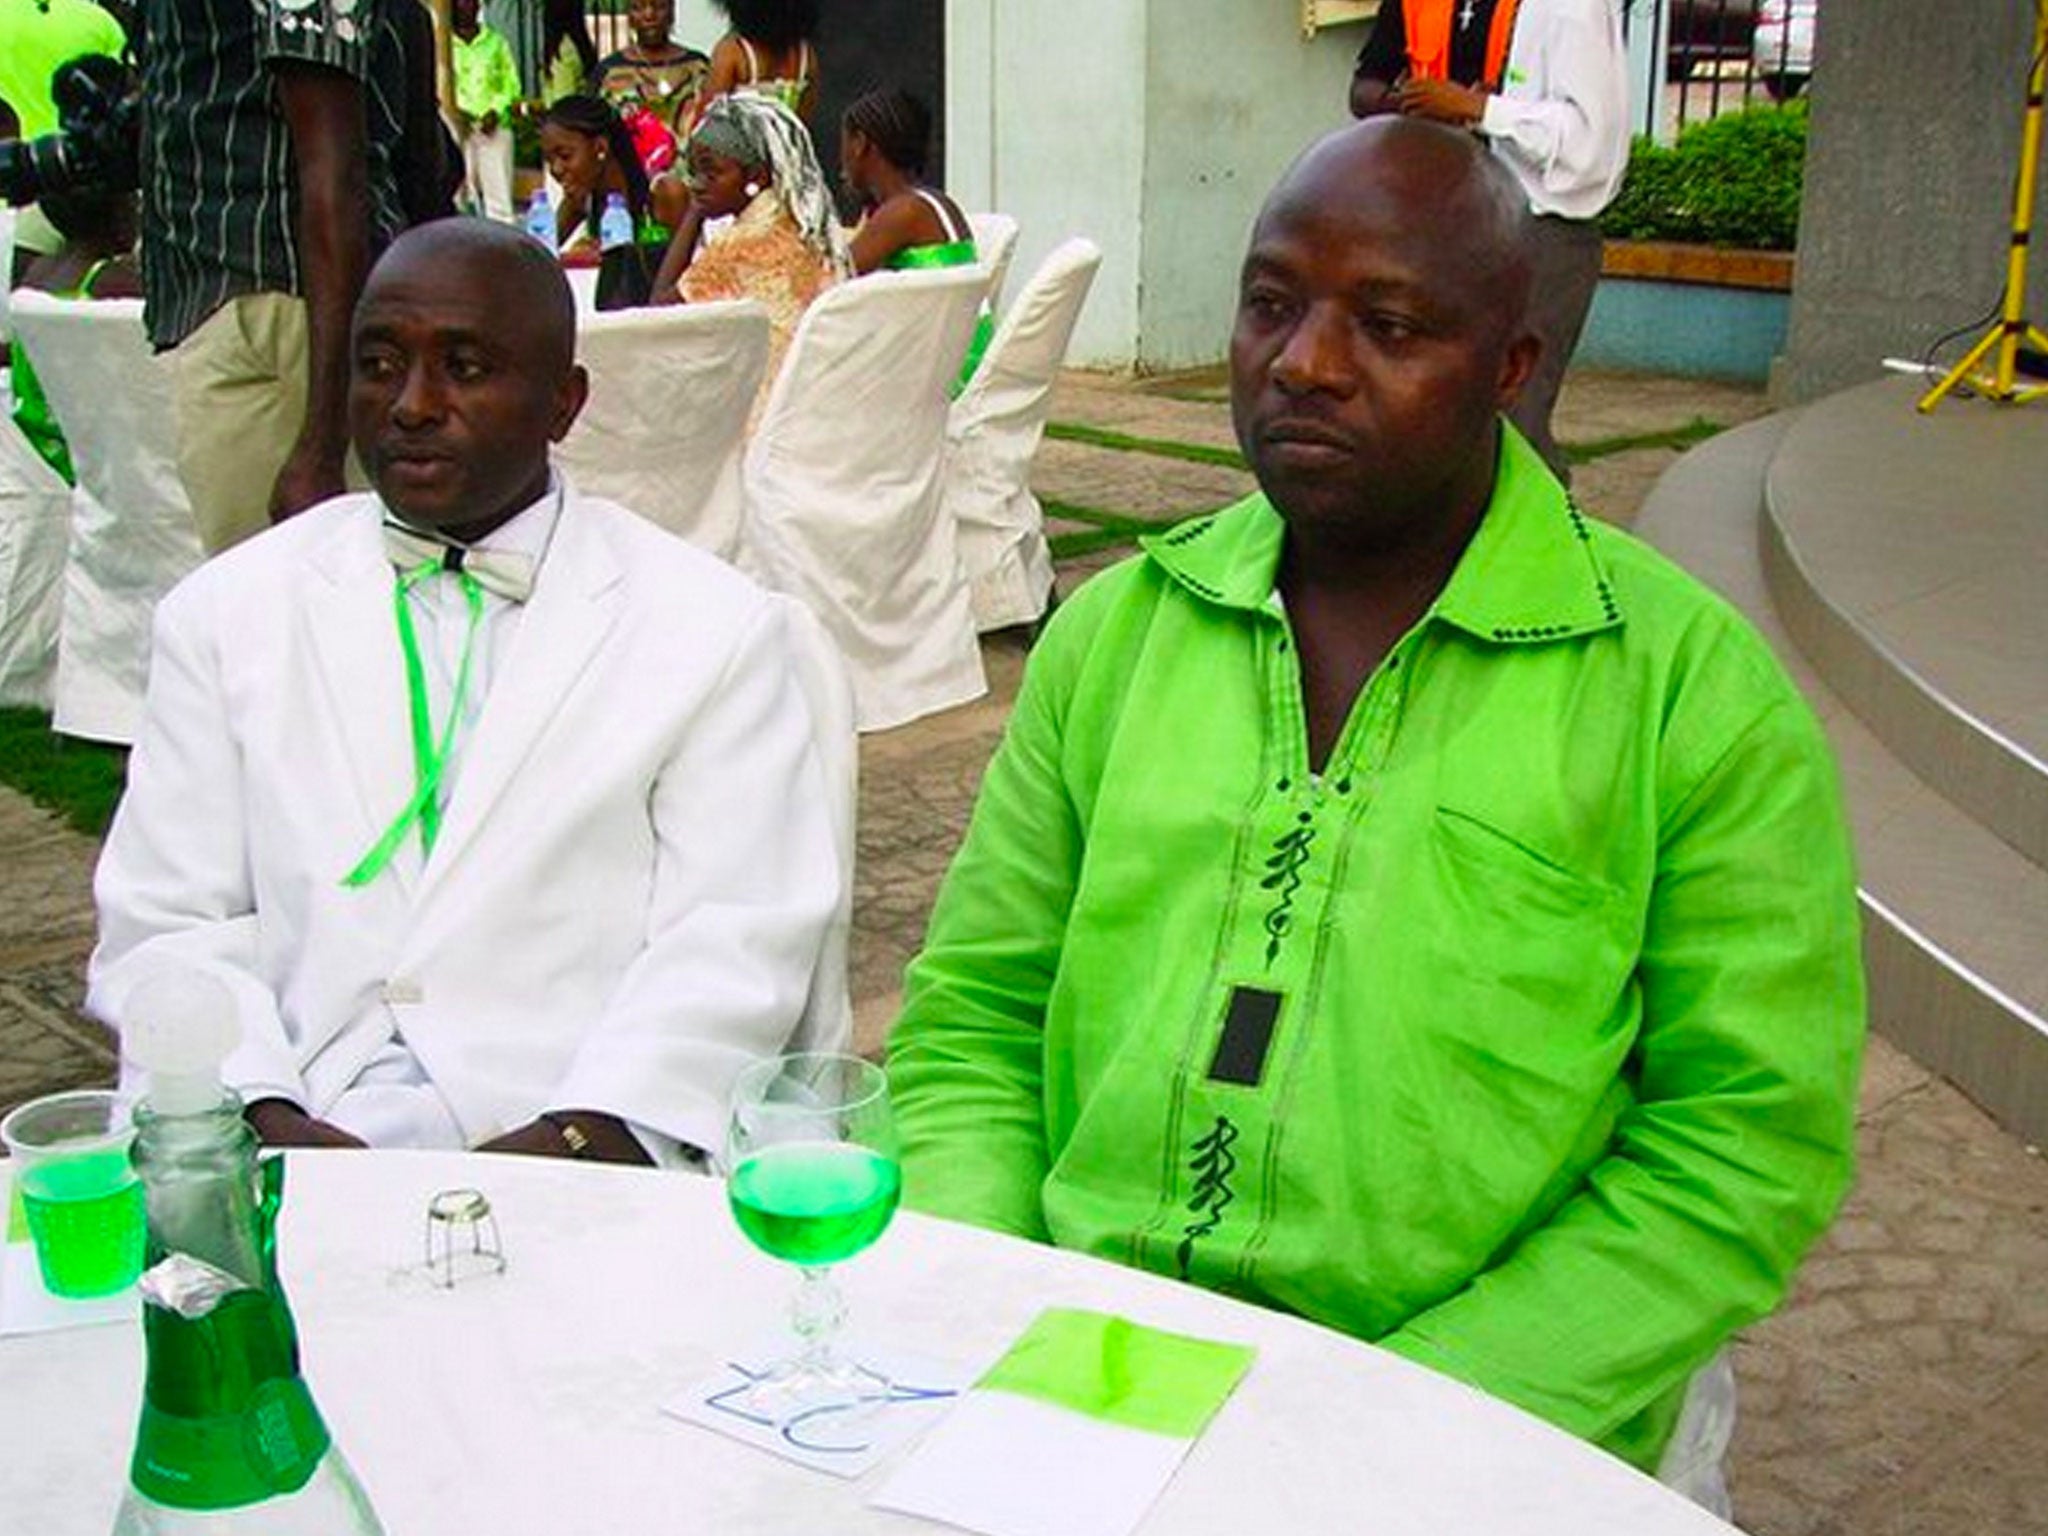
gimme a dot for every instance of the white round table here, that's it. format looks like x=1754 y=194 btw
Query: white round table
x=527 y=1402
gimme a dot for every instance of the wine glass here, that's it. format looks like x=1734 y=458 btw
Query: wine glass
x=813 y=1179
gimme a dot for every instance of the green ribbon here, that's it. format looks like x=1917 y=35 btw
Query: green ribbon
x=429 y=756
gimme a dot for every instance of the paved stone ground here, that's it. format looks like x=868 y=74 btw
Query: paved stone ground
x=1904 y=1388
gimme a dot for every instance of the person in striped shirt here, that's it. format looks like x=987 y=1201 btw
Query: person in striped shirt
x=269 y=130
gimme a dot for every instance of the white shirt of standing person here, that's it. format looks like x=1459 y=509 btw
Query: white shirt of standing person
x=1560 y=119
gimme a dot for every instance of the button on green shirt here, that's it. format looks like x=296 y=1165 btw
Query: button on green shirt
x=1522 y=1040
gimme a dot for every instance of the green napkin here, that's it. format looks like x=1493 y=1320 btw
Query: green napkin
x=1112 y=1368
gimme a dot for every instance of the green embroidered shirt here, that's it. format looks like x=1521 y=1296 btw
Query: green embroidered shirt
x=1523 y=1039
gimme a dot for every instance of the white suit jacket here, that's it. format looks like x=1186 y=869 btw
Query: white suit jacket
x=634 y=872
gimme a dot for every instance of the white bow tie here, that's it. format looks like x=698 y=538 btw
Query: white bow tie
x=506 y=572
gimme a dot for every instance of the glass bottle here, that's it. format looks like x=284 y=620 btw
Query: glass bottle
x=230 y=1439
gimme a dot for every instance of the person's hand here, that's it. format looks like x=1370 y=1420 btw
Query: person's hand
x=311 y=475
x=487 y=124
x=603 y=1138
x=281 y=1123
x=1441 y=101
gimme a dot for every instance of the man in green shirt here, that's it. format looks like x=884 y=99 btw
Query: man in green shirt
x=1399 y=899
x=486 y=90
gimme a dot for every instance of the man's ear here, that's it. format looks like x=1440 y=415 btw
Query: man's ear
x=569 y=402
x=1517 y=365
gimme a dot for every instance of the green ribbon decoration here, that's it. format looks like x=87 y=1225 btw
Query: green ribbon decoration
x=430 y=757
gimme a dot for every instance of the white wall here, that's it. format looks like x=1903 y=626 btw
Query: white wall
x=1045 y=108
x=1154 y=127
x=698 y=25
x=1235 y=93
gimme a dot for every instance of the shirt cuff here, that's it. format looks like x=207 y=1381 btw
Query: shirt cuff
x=667 y=1151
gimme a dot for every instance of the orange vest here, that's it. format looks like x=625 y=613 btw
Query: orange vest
x=1428 y=24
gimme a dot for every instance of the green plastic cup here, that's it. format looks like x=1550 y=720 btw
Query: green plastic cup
x=83 y=1201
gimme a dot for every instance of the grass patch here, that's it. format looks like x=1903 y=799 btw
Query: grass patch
x=1159 y=447
x=80 y=780
x=1106 y=530
x=1693 y=433
x=1086 y=541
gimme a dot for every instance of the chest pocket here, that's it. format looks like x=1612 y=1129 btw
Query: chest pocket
x=1526 y=958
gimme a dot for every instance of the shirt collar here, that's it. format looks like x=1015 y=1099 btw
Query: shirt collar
x=1529 y=575
x=527 y=532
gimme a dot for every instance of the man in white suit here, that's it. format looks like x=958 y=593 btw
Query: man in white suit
x=498 y=809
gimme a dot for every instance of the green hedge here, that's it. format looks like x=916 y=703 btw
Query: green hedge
x=1731 y=180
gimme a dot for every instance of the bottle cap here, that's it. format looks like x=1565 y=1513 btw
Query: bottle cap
x=181 y=1025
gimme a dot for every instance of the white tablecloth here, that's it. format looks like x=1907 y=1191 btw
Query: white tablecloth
x=528 y=1403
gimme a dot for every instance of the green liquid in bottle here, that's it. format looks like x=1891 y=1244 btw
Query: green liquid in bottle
x=86 y=1215
x=814 y=1202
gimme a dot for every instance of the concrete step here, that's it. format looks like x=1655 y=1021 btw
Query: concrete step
x=1954 y=915
x=1906 y=556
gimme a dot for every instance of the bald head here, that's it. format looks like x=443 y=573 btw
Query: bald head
x=464 y=372
x=529 y=297
x=1441 y=184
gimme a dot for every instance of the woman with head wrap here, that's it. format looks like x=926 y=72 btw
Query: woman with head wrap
x=751 y=160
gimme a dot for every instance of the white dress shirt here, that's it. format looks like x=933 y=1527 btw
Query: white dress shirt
x=1560 y=119
x=392 y=1102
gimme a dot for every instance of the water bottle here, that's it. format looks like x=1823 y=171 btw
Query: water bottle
x=540 y=219
x=623 y=277
x=230 y=1441
x=615 y=225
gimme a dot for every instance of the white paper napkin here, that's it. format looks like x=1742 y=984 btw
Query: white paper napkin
x=1075 y=1432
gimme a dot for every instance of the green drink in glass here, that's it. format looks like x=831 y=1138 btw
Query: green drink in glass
x=83 y=1201
x=814 y=1203
x=814 y=1180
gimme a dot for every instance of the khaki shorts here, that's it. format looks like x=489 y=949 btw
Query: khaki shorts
x=238 y=386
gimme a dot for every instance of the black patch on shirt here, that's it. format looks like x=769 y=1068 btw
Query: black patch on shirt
x=1247 y=1035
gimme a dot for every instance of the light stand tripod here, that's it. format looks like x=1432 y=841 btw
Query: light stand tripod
x=2013 y=324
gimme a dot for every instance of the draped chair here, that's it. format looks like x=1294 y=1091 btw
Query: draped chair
x=992 y=435
x=132 y=534
x=843 y=488
x=662 y=431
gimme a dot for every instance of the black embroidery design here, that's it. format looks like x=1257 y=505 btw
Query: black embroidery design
x=1283 y=874
x=1212 y=1165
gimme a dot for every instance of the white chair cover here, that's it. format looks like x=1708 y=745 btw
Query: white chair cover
x=995 y=242
x=827 y=1022
x=132 y=535
x=842 y=484
x=583 y=289
x=35 y=528
x=843 y=487
x=993 y=432
x=669 y=394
